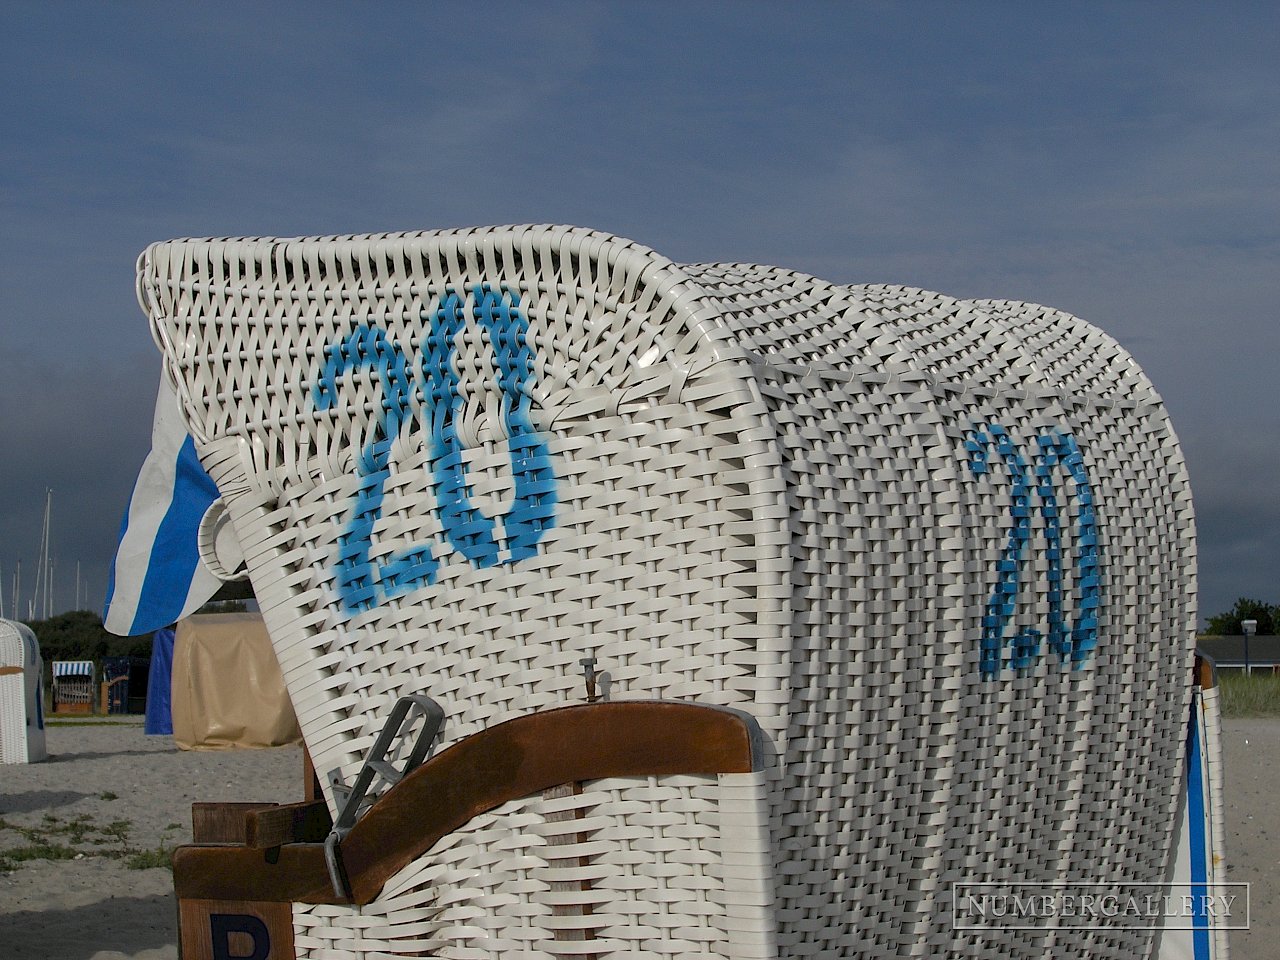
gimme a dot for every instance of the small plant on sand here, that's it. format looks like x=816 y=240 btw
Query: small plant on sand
x=10 y=858
x=108 y=795
x=75 y=830
x=58 y=839
x=149 y=859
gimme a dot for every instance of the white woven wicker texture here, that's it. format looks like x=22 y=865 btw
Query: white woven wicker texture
x=770 y=492
x=632 y=867
x=13 y=696
x=21 y=708
x=963 y=779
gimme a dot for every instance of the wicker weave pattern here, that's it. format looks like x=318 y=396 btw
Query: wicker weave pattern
x=883 y=691
x=21 y=698
x=765 y=496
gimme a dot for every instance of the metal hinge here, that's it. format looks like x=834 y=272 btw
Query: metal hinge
x=352 y=801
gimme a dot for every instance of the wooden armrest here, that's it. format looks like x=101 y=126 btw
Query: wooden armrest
x=222 y=822
x=305 y=822
x=509 y=760
x=260 y=825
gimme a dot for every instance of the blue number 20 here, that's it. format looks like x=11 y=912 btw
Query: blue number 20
x=1056 y=449
x=363 y=584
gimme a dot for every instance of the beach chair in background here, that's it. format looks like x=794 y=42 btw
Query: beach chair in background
x=73 y=689
x=21 y=695
x=631 y=608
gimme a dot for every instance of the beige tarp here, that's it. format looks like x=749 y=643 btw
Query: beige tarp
x=227 y=688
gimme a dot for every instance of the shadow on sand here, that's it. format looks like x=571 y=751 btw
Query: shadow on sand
x=96 y=754
x=127 y=924
x=34 y=800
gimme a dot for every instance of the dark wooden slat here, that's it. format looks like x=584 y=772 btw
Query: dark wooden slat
x=222 y=822
x=1204 y=672
x=310 y=782
x=514 y=759
x=294 y=873
x=288 y=823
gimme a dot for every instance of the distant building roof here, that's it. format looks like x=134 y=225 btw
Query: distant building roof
x=1229 y=651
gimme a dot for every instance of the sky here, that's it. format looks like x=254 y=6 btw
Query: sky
x=1114 y=160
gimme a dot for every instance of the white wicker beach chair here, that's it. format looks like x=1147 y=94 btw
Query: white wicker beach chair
x=938 y=554
x=21 y=695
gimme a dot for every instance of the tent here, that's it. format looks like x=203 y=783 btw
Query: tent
x=227 y=690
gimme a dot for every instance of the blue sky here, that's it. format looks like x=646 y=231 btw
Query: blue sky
x=1117 y=160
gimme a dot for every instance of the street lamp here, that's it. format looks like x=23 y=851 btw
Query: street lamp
x=1250 y=627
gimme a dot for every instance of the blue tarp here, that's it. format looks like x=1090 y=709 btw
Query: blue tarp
x=159 y=718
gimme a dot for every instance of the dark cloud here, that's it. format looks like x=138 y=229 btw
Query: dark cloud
x=1108 y=161
x=80 y=429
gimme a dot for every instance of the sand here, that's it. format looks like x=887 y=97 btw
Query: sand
x=98 y=908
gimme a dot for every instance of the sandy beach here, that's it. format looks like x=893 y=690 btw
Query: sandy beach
x=117 y=798
x=100 y=907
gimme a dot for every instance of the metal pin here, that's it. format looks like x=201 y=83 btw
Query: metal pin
x=589 y=674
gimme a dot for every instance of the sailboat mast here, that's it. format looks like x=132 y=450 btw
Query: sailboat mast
x=48 y=560
x=44 y=567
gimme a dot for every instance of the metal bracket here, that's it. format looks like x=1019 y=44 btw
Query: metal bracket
x=353 y=800
x=591 y=677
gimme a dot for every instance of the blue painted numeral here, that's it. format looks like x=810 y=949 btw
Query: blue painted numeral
x=1027 y=485
x=363 y=584
x=469 y=531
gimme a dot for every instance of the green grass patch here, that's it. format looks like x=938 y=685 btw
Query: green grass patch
x=61 y=839
x=149 y=859
x=1256 y=695
x=10 y=858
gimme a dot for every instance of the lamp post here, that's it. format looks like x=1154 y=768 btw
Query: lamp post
x=1250 y=627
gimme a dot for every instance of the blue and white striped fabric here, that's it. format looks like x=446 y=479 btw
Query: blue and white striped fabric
x=157 y=576
x=73 y=668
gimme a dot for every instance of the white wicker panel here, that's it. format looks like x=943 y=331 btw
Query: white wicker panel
x=906 y=769
x=653 y=460
x=22 y=737
x=13 y=719
x=772 y=493
x=13 y=698
x=631 y=866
